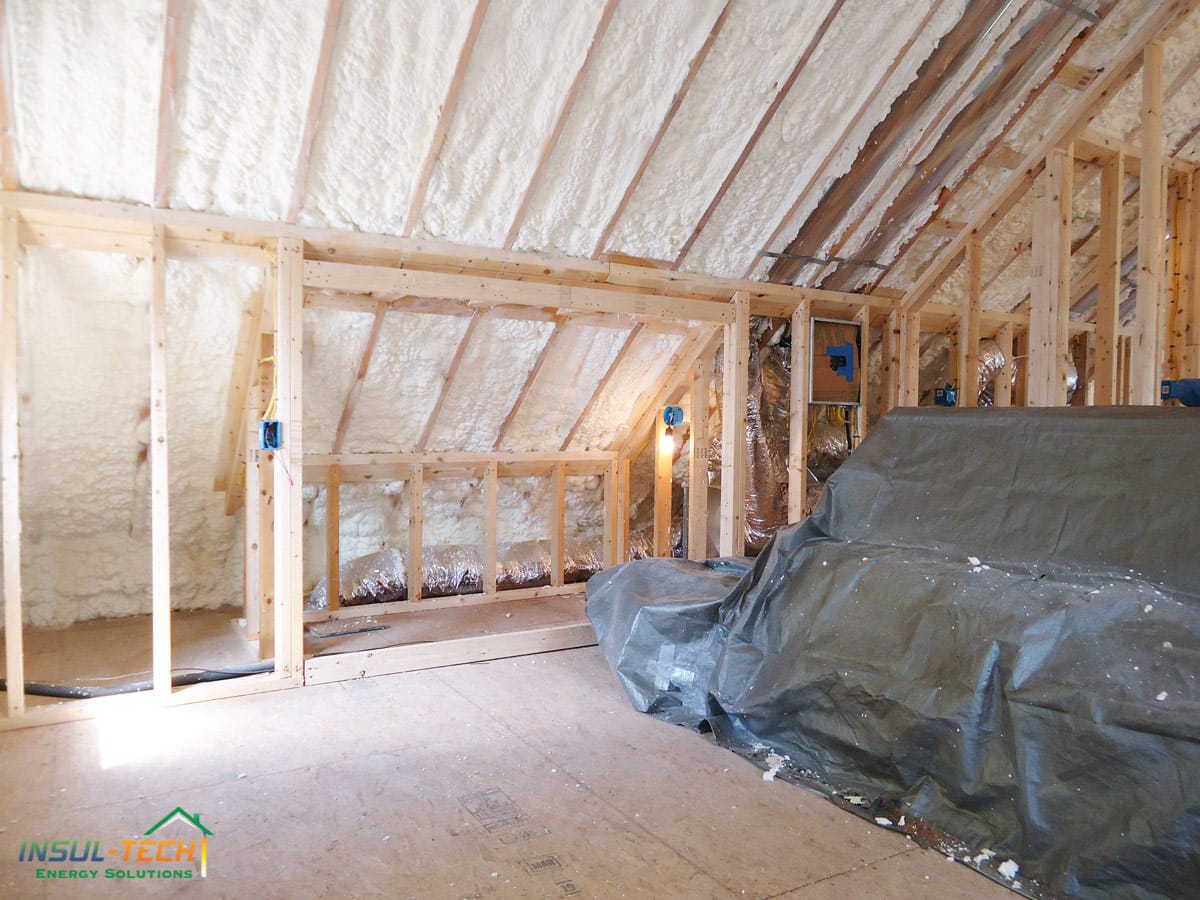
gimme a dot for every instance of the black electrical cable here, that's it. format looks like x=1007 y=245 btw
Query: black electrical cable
x=89 y=691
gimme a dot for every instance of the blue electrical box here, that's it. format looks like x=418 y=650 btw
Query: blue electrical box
x=1185 y=390
x=945 y=396
x=672 y=416
x=270 y=434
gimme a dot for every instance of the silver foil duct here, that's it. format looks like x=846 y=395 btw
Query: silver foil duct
x=451 y=569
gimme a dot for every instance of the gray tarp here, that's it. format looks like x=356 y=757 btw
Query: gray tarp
x=992 y=619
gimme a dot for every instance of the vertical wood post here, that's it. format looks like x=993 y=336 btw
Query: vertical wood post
x=1146 y=365
x=289 y=460
x=622 y=532
x=160 y=513
x=558 y=526
x=10 y=475
x=697 y=511
x=333 y=538
x=889 y=354
x=663 y=460
x=733 y=429
x=265 y=463
x=1050 y=282
x=1190 y=282
x=908 y=373
x=1108 y=273
x=491 y=535
x=798 y=393
x=1002 y=390
x=415 y=575
x=968 y=329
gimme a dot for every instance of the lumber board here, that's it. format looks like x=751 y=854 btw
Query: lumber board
x=491 y=533
x=733 y=430
x=969 y=327
x=160 y=492
x=558 y=525
x=1050 y=273
x=603 y=384
x=416 y=526
x=312 y=115
x=698 y=448
x=1146 y=365
x=1108 y=274
x=798 y=415
x=10 y=474
x=663 y=460
x=452 y=602
x=166 y=102
x=333 y=539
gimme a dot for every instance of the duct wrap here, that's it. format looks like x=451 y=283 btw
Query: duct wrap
x=451 y=569
x=1013 y=666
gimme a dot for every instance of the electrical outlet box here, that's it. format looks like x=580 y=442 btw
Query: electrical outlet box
x=270 y=434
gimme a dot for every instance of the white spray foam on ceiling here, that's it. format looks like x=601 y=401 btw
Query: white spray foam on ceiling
x=85 y=89
x=758 y=47
x=388 y=78
x=813 y=120
x=403 y=381
x=244 y=77
x=557 y=397
x=616 y=116
x=494 y=368
x=525 y=59
x=640 y=371
x=334 y=342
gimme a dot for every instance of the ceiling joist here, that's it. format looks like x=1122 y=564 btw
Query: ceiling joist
x=316 y=98
x=166 y=104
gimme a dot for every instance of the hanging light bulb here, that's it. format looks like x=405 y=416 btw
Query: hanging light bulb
x=666 y=443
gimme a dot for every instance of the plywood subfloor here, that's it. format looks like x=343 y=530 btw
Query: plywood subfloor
x=527 y=777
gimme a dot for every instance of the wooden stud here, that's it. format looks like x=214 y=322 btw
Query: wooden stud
x=1108 y=274
x=697 y=511
x=447 y=381
x=445 y=115
x=837 y=146
x=663 y=460
x=863 y=318
x=491 y=534
x=312 y=117
x=160 y=494
x=1146 y=369
x=229 y=460
x=251 y=521
x=1191 y=281
x=908 y=368
x=1050 y=271
x=265 y=464
x=889 y=375
x=1002 y=388
x=733 y=429
x=416 y=536
x=772 y=109
x=652 y=147
x=968 y=329
x=8 y=140
x=611 y=479
x=603 y=384
x=10 y=473
x=558 y=532
x=529 y=380
x=333 y=538
x=623 y=507
x=798 y=415
x=166 y=103
x=560 y=121
x=1123 y=64
x=1080 y=358
x=289 y=460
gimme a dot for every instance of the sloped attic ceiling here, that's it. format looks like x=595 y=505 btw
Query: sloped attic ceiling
x=700 y=134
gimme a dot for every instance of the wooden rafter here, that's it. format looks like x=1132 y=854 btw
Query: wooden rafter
x=652 y=147
x=502 y=433
x=1077 y=116
x=364 y=363
x=888 y=136
x=316 y=97
x=448 y=381
x=767 y=116
x=166 y=103
x=603 y=383
x=245 y=360
x=445 y=115
x=560 y=121
x=836 y=146
x=1017 y=76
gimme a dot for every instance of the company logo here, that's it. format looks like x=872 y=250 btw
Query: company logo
x=167 y=857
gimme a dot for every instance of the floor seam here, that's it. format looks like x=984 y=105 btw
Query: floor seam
x=809 y=884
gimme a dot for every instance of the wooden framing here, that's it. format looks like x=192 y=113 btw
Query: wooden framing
x=1076 y=117
x=265 y=466
x=490 y=527
x=560 y=121
x=10 y=474
x=798 y=415
x=1002 y=387
x=166 y=104
x=414 y=576
x=1108 y=274
x=909 y=357
x=312 y=117
x=697 y=511
x=1050 y=282
x=605 y=379
x=333 y=538
x=445 y=115
x=733 y=429
x=663 y=460
x=233 y=434
x=447 y=382
x=652 y=147
x=1190 y=281
x=160 y=514
x=968 y=329
x=558 y=526
x=768 y=115
x=1146 y=368
x=543 y=354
